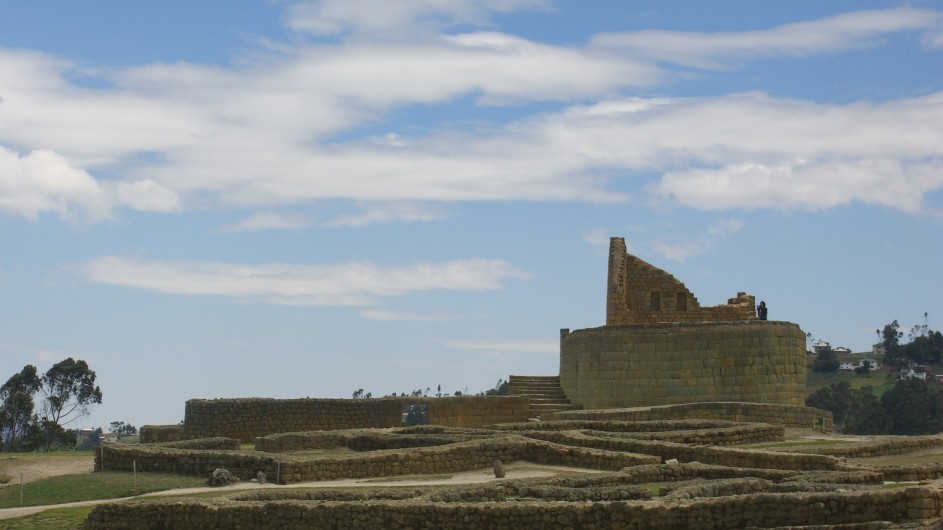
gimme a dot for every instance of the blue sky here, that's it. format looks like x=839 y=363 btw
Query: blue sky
x=289 y=199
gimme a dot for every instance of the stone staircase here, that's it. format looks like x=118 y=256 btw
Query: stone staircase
x=543 y=392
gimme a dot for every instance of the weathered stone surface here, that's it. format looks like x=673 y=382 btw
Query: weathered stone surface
x=221 y=477
x=661 y=364
x=498 y=469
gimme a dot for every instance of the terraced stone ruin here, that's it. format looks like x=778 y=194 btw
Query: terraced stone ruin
x=671 y=416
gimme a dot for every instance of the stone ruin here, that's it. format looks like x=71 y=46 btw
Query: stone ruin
x=660 y=347
x=684 y=419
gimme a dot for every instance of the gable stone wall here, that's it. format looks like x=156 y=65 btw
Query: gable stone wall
x=639 y=292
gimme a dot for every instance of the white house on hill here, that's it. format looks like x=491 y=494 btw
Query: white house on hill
x=909 y=373
x=873 y=364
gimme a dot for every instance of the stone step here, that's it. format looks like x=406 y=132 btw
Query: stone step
x=543 y=399
x=543 y=393
x=534 y=390
x=555 y=394
x=539 y=408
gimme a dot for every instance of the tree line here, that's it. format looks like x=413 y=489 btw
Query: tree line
x=66 y=392
x=911 y=407
x=923 y=346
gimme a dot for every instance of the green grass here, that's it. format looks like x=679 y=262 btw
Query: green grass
x=54 y=519
x=880 y=380
x=4 y=478
x=92 y=486
x=655 y=488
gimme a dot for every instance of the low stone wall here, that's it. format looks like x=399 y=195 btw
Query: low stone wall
x=201 y=444
x=763 y=510
x=367 y=439
x=463 y=456
x=698 y=432
x=248 y=418
x=161 y=433
x=723 y=456
x=788 y=415
x=632 y=365
x=911 y=472
x=873 y=446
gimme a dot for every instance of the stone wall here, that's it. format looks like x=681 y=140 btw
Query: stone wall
x=873 y=446
x=658 y=364
x=757 y=510
x=247 y=418
x=162 y=433
x=639 y=292
x=788 y=415
x=698 y=432
x=289 y=469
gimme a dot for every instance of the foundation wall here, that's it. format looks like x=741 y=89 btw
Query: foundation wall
x=246 y=419
x=823 y=510
x=635 y=365
x=787 y=415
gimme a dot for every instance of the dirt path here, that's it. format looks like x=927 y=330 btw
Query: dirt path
x=524 y=470
x=32 y=468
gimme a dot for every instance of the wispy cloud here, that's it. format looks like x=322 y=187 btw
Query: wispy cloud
x=400 y=18
x=381 y=314
x=695 y=245
x=265 y=221
x=723 y=227
x=828 y=35
x=348 y=284
x=684 y=250
x=384 y=213
x=504 y=346
x=260 y=135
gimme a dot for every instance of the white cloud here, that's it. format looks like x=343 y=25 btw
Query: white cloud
x=264 y=221
x=723 y=227
x=402 y=18
x=505 y=346
x=806 y=185
x=255 y=135
x=384 y=213
x=347 y=284
x=381 y=314
x=146 y=196
x=683 y=251
x=45 y=182
x=597 y=237
x=832 y=34
x=697 y=245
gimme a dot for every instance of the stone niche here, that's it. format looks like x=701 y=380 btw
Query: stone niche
x=660 y=347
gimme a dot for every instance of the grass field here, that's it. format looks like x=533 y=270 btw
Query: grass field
x=880 y=380
x=55 y=519
x=92 y=486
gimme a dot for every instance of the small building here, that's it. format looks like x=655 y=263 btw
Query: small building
x=909 y=373
x=852 y=365
x=841 y=350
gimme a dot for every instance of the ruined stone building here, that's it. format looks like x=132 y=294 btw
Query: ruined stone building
x=660 y=346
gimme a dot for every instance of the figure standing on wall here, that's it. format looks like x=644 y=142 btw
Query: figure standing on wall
x=761 y=311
